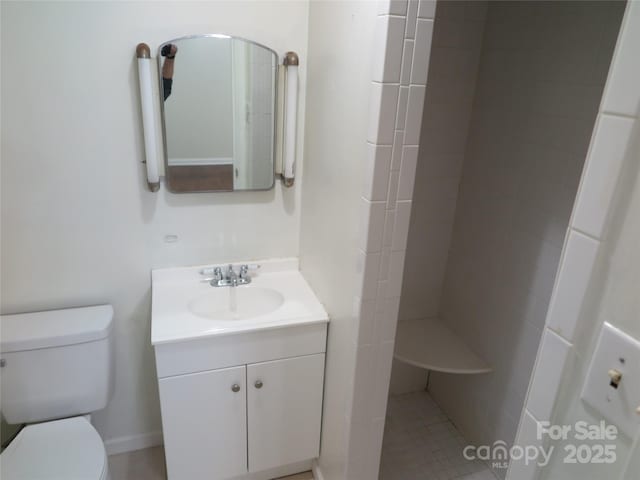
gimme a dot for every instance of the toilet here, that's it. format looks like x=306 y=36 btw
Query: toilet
x=56 y=368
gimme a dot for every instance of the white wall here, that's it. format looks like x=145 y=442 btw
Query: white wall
x=339 y=72
x=541 y=75
x=78 y=225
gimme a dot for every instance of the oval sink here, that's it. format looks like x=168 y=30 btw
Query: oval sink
x=236 y=303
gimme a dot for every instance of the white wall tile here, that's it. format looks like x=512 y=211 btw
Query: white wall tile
x=382 y=113
x=549 y=368
x=396 y=157
x=363 y=383
x=412 y=15
x=377 y=432
x=388 y=228
x=427 y=9
x=403 y=100
x=407 y=58
x=386 y=318
x=376 y=176
x=367 y=269
x=384 y=360
x=604 y=162
x=372 y=230
x=414 y=115
x=381 y=297
x=571 y=285
x=396 y=269
x=401 y=227
x=527 y=435
x=622 y=92
x=388 y=40
x=421 y=52
x=365 y=312
x=407 y=172
x=383 y=272
x=393 y=189
x=398 y=7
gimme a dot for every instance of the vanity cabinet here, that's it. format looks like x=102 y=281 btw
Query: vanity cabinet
x=204 y=422
x=284 y=406
x=248 y=420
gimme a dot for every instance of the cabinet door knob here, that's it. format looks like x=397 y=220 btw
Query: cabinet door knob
x=258 y=384
x=235 y=388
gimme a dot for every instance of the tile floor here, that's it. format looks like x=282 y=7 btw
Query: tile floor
x=148 y=464
x=421 y=443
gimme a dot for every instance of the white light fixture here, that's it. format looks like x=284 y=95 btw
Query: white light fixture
x=148 y=118
x=290 y=117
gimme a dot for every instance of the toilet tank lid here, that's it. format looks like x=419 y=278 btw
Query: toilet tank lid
x=54 y=328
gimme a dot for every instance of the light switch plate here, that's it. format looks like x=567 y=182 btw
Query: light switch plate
x=615 y=351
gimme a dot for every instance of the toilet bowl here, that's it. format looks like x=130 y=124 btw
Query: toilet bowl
x=68 y=449
x=57 y=367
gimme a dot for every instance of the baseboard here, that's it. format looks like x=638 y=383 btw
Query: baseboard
x=317 y=473
x=133 y=442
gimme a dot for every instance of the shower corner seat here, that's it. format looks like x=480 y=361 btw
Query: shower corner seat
x=428 y=343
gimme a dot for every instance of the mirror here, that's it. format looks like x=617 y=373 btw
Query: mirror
x=218 y=96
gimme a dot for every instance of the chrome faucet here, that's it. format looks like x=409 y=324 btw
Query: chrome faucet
x=229 y=277
x=232 y=276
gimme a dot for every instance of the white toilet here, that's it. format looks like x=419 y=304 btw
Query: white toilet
x=56 y=367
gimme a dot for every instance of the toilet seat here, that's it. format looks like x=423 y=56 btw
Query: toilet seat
x=68 y=449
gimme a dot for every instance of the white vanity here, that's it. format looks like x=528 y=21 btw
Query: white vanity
x=240 y=371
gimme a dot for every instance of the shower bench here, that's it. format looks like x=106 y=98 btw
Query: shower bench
x=428 y=343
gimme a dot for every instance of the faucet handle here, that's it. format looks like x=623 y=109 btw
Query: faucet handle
x=245 y=269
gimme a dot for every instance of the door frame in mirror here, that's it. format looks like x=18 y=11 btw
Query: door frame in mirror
x=162 y=112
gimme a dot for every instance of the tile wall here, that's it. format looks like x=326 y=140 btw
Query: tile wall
x=455 y=54
x=597 y=279
x=399 y=78
x=540 y=81
x=516 y=193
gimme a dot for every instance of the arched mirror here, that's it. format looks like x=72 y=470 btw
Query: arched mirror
x=218 y=96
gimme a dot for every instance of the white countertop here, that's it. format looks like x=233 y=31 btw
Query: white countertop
x=174 y=288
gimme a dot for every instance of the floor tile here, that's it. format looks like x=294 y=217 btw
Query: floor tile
x=420 y=442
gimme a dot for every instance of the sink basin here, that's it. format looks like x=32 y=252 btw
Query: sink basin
x=236 y=303
x=185 y=306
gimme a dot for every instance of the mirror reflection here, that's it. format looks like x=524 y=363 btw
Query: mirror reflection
x=218 y=95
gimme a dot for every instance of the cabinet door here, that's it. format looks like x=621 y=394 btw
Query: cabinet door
x=204 y=423
x=284 y=401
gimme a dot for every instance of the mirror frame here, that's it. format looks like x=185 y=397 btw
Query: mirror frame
x=162 y=112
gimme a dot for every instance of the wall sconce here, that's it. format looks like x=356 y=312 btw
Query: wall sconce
x=148 y=118
x=290 y=62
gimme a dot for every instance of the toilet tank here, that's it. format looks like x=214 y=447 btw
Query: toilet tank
x=56 y=364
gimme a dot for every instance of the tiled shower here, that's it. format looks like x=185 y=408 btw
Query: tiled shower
x=512 y=96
